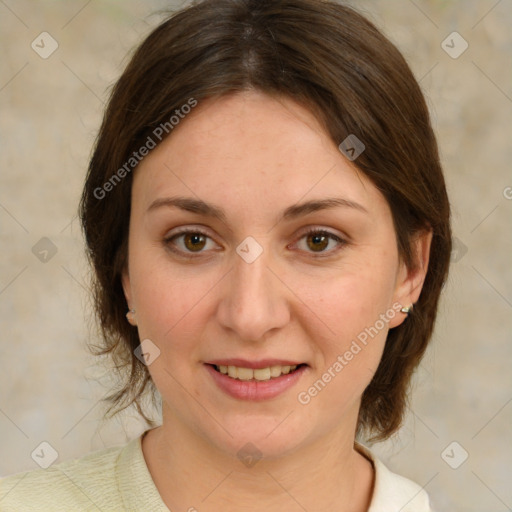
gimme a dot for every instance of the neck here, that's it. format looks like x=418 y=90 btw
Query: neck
x=190 y=474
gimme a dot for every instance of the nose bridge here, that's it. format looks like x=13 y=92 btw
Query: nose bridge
x=253 y=302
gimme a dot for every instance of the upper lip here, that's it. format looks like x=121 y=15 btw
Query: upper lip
x=244 y=363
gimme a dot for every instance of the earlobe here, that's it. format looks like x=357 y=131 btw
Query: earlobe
x=130 y=315
x=410 y=280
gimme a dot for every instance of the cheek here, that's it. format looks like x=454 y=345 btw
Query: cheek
x=354 y=299
x=171 y=313
x=169 y=301
x=356 y=309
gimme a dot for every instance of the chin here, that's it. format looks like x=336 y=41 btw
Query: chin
x=258 y=436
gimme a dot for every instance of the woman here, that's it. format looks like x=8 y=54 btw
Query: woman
x=267 y=219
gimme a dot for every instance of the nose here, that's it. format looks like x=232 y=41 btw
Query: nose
x=254 y=300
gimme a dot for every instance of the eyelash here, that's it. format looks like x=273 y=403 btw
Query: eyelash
x=313 y=231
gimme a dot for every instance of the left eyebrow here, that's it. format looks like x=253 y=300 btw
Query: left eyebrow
x=314 y=205
x=201 y=207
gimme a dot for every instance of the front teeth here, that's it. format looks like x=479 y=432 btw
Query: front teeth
x=236 y=372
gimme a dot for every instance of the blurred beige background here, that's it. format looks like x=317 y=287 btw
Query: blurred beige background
x=51 y=108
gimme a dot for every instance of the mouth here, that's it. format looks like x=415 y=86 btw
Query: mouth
x=256 y=374
x=255 y=381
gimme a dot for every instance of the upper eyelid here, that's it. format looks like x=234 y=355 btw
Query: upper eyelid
x=303 y=232
x=186 y=231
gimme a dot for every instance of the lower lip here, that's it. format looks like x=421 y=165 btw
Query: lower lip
x=255 y=390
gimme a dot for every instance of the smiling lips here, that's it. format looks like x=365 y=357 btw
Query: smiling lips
x=259 y=380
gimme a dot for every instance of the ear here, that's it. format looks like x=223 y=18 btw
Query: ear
x=410 y=281
x=127 y=289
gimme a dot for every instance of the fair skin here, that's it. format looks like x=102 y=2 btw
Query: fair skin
x=303 y=299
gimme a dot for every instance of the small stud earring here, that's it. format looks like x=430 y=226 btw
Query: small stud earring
x=406 y=309
x=129 y=316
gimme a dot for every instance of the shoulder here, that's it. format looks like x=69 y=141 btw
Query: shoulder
x=87 y=483
x=393 y=492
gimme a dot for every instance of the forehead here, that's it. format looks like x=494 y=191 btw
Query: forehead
x=250 y=149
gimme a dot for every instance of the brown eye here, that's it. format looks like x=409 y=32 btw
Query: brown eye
x=189 y=242
x=194 y=241
x=317 y=241
x=321 y=242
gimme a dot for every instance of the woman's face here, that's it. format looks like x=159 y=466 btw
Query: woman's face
x=231 y=278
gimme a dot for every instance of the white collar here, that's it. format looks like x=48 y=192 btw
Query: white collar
x=392 y=492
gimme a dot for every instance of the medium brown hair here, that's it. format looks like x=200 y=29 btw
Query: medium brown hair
x=332 y=60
